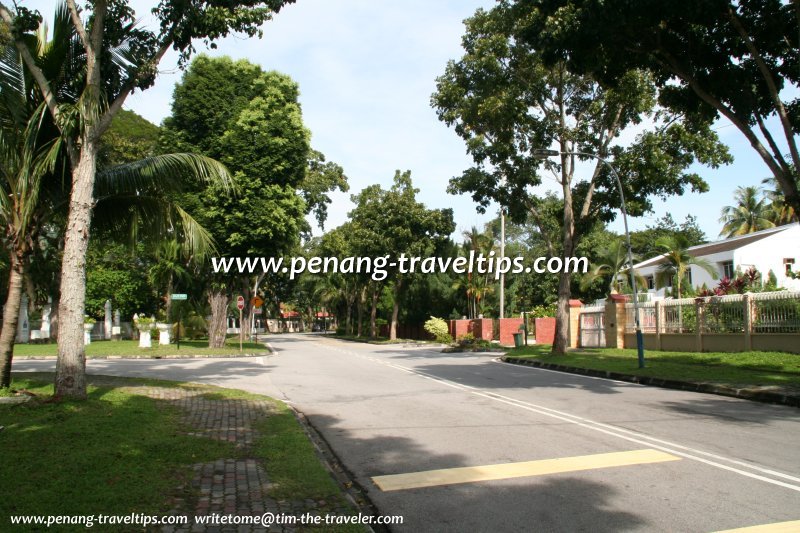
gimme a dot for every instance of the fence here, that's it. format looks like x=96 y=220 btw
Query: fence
x=760 y=321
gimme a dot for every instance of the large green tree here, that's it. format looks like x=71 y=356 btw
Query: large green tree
x=252 y=121
x=505 y=103
x=737 y=59
x=107 y=30
x=394 y=223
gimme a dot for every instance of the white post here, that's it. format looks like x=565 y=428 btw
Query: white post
x=107 y=321
x=23 y=326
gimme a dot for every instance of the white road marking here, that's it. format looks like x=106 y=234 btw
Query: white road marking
x=614 y=431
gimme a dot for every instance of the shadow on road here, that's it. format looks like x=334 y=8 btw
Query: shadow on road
x=560 y=502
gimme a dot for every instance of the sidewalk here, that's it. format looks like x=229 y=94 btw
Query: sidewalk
x=235 y=485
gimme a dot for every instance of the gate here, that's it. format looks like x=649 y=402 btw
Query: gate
x=592 y=327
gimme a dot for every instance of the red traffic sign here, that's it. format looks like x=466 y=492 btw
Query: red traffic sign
x=240 y=302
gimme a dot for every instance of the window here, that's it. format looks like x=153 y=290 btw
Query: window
x=651 y=282
x=727 y=270
x=689 y=275
x=788 y=266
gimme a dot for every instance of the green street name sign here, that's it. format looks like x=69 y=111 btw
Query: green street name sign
x=179 y=297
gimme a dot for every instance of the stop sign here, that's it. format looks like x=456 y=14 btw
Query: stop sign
x=240 y=302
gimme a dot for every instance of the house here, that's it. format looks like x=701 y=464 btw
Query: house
x=776 y=249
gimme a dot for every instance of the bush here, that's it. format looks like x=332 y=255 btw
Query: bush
x=438 y=328
x=468 y=341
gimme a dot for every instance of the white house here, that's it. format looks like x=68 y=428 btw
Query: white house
x=776 y=249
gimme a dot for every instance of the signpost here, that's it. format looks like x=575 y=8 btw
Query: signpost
x=240 y=306
x=176 y=297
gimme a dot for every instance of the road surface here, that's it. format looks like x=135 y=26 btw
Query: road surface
x=462 y=442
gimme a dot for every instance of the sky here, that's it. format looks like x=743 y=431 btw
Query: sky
x=366 y=71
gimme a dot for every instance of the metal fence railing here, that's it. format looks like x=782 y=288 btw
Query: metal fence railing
x=776 y=312
x=769 y=312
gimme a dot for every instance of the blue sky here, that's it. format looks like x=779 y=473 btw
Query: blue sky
x=366 y=70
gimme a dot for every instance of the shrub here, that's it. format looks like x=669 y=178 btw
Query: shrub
x=438 y=328
x=467 y=339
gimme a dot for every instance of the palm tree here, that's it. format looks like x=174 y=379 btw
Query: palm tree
x=472 y=284
x=750 y=214
x=780 y=212
x=677 y=261
x=134 y=197
x=612 y=262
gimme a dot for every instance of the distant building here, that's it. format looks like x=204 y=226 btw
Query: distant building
x=776 y=249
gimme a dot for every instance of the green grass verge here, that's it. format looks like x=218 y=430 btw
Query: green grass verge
x=131 y=349
x=116 y=453
x=119 y=453
x=742 y=369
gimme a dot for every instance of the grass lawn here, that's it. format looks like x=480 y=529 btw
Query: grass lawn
x=744 y=368
x=131 y=348
x=119 y=453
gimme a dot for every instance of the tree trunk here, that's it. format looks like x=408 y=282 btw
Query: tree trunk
x=217 y=326
x=168 y=300
x=395 y=310
x=360 y=315
x=561 y=340
x=70 y=381
x=348 y=325
x=373 y=313
x=10 y=320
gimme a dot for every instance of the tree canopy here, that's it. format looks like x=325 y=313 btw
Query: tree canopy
x=735 y=59
x=506 y=102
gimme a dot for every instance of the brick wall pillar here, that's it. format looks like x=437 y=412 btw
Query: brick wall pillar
x=574 y=322
x=509 y=326
x=615 y=320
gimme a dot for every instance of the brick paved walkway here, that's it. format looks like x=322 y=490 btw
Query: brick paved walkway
x=235 y=486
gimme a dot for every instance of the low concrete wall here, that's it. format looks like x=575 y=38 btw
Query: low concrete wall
x=719 y=342
x=723 y=342
x=779 y=342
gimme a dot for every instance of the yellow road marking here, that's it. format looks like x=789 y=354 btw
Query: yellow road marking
x=471 y=474
x=778 y=527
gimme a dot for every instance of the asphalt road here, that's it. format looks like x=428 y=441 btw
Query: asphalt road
x=389 y=410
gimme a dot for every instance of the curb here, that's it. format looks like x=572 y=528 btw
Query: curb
x=352 y=490
x=705 y=388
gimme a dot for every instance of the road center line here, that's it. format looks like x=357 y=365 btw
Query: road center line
x=621 y=433
x=472 y=474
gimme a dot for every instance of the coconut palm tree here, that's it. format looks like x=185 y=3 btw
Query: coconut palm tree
x=750 y=214
x=676 y=262
x=780 y=212
x=34 y=175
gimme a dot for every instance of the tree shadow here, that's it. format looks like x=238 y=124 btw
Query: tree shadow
x=482 y=375
x=731 y=410
x=558 y=502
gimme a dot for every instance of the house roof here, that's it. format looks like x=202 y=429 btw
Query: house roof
x=724 y=245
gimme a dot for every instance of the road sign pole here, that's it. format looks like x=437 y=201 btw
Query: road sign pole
x=240 y=306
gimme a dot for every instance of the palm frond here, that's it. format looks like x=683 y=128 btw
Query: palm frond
x=166 y=173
